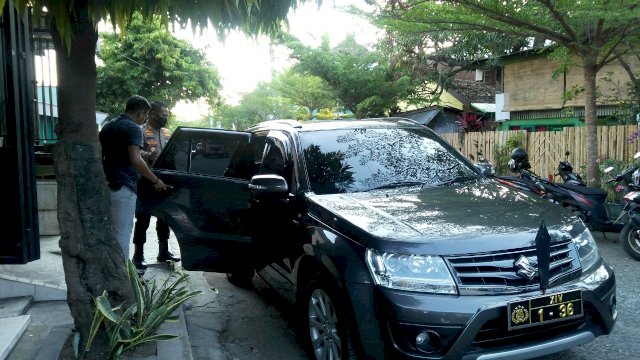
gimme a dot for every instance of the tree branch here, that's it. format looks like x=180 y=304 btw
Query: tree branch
x=560 y=18
x=515 y=22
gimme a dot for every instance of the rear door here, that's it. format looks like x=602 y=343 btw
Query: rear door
x=208 y=204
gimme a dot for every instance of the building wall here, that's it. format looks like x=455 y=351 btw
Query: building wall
x=553 y=124
x=529 y=84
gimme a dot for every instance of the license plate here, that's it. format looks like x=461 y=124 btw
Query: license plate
x=545 y=309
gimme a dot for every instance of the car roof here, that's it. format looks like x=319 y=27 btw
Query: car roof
x=320 y=125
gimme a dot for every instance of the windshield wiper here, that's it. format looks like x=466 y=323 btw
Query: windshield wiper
x=396 y=184
x=458 y=179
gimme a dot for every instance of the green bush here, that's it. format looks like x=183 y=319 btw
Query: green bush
x=139 y=323
x=502 y=154
x=615 y=191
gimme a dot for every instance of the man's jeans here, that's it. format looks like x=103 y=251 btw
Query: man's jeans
x=123 y=207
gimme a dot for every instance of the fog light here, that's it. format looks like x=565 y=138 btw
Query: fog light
x=428 y=342
x=421 y=338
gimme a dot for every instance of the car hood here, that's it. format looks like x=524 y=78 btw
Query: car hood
x=477 y=216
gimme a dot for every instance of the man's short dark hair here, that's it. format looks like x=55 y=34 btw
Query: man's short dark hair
x=137 y=103
x=158 y=105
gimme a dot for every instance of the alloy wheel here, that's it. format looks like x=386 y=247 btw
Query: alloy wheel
x=323 y=327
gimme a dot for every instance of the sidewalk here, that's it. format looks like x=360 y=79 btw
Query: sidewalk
x=40 y=287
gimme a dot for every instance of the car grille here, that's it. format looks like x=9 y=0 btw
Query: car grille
x=497 y=273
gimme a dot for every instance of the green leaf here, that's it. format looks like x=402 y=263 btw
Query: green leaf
x=137 y=286
x=104 y=307
x=160 y=337
x=95 y=324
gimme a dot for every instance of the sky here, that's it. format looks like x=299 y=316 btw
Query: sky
x=242 y=62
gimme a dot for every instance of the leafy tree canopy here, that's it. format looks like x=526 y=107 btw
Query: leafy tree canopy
x=151 y=62
x=252 y=16
x=262 y=104
x=361 y=78
x=307 y=91
x=433 y=60
x=290 y=95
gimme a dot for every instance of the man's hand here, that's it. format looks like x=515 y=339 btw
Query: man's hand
x=153 y=155
x=159 y=185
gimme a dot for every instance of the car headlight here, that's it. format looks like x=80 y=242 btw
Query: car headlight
x=587 y=250
x=411 y=272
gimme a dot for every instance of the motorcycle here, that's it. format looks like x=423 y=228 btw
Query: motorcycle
x=630 y=215
x=484 y=165
x=587 y=203
x=565 y=171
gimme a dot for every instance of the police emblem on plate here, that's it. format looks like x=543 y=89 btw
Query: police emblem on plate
x=519 y=315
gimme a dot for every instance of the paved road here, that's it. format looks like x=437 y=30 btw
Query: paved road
x=624 y=342
x=257 y=325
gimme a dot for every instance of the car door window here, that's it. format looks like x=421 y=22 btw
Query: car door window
x=273 y=161
x=205 y=152
x=277 y=159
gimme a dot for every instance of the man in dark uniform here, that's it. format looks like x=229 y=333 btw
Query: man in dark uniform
x=155 y=136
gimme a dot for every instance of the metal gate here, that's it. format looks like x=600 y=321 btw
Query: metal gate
x=19 y=242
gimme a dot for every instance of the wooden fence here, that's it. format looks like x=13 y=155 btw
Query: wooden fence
x=547 y=148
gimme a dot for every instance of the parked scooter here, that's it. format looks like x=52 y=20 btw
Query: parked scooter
x=565 y=171
x=588 y=203
x=630 y=215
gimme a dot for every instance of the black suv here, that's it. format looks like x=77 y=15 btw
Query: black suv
x=389 y=242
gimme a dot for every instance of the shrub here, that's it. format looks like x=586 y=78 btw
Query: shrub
x=502 y=154
x=615 y=190
x=469 y=122
x=139 y=323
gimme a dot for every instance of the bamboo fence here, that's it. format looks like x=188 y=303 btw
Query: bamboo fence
x=547 y=148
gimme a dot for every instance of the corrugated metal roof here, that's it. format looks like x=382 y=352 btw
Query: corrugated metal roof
x=423 y=117
x=484 y=107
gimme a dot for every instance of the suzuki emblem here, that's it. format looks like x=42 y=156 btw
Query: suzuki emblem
x=527 y=267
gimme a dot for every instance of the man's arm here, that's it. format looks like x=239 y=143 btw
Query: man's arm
x=145 y=152
x=143 y=168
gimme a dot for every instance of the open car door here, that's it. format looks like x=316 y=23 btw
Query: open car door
x=207 y=205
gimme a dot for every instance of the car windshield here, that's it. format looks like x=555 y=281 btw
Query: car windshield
x=354 y=160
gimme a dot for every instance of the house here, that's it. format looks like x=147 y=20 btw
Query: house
x=530 y=97
x=466 y=95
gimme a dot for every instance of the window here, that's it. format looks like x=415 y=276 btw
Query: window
x=273 y=161
x=207 y=153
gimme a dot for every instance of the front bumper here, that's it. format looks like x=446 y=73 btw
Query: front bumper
x=475 y=327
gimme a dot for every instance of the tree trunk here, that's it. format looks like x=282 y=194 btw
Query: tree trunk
x=92 y=260
x=590 y=117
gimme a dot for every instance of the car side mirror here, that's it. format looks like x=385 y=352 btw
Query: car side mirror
x=269 y=186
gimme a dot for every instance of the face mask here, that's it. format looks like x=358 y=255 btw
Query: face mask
x=162 y=122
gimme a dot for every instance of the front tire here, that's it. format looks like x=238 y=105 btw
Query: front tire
x=326 y=323
x=630 y=238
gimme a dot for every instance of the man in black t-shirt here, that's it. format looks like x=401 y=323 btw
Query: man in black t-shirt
x=121 y=140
